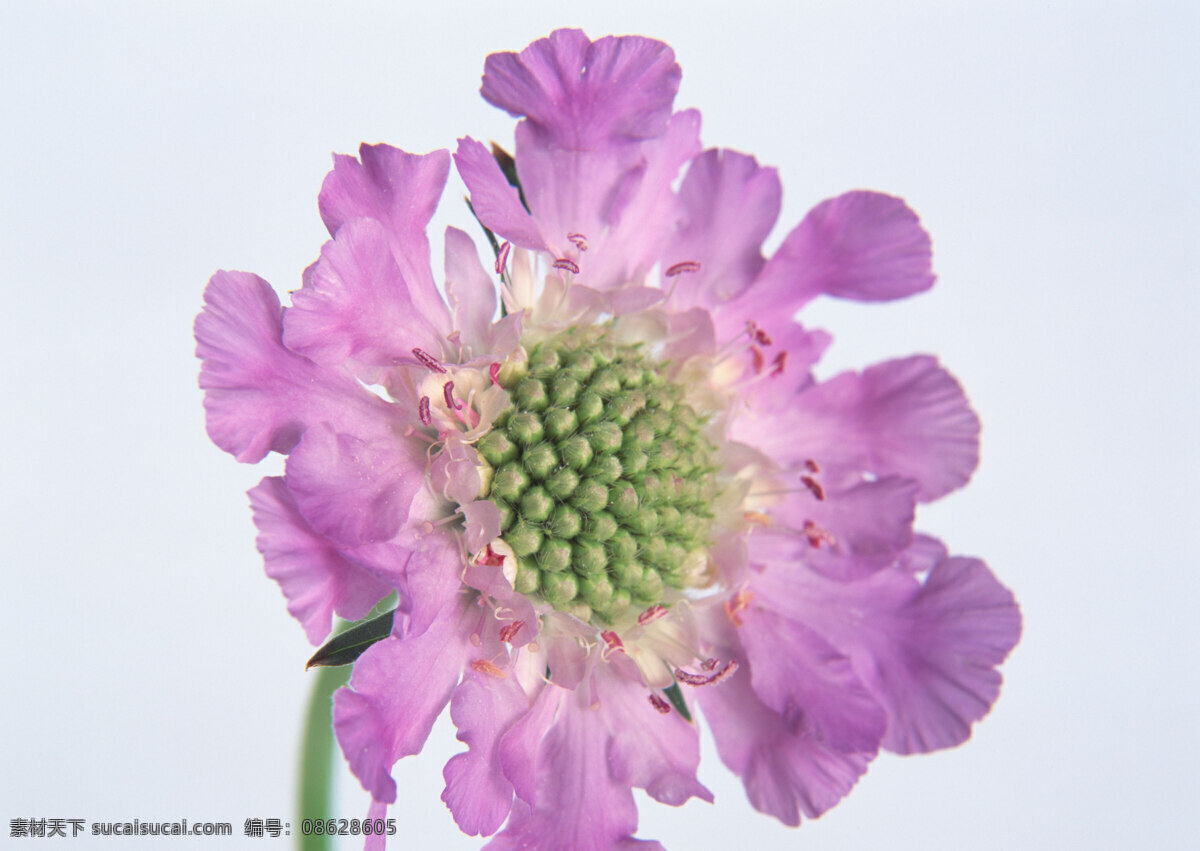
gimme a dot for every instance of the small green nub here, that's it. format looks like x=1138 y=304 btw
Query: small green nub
x=554 y=555
x=588 y=407
x=576 y=452
x=600 y=526
x=605 y=383
x=536 y=505
x=559 y=422
x=532 y=395
x=559 y=588
x=604 y=437
x=562 y=482
x=597 y=591
x=655 y=552
x=565 y=389
x=509 y=482
x=621 y=546
x=628 y=574
x=583 y=366
x=565 y=522
x=618 y=605
x=496 y=448
x=588 y=557
x=650 y=589
x=606 y=469
x=525 y=427
x=633 y=460
x=527 y=578
x=590 y=496
x=643 y=522
x=540 y=460
x=523 y=538
x=544 y=360
x=623 y=500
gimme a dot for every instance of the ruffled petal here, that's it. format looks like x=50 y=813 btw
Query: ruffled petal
x=844 y=533
x=650 y=750
x=730 y=204
x=786 y=771
x=357 y=305
x=812 y=686
x=477 y=792
x=470 y=291
x=260 y=396
x=580 y=805
x=401 y=192
x=398 y=689
x=355 y=490
x=864 y=246
x=495 y=201
x=927 y=651
x=315 y=576
x=581 y=94
x=520 y=748
x=905 y=417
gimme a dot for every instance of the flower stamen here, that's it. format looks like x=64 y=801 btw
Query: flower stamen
x=578 y=240
x=711 y=680
x=428 y=361
x=736 y=604
x=489 y=669
x=655 y=612
x=567 y=265
x=680 y=268
x=816 y=535
x=423 y=411
x=502 y=257
x=659 y=704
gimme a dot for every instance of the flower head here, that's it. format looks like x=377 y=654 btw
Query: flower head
x=600 y=474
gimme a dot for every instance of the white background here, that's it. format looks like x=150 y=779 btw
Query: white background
x=152 y=671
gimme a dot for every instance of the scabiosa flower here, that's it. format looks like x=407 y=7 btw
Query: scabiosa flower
x=601 y=475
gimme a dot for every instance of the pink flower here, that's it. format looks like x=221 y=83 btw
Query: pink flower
x=619 y=493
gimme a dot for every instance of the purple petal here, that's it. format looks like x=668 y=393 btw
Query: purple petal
x=926 y=651
x=869 y=524
x=259 y=395
x=398 y=689
x=649 y=750
x=351 y=489
x=519 y=750
x=356 y=304
x=400 y=191
x=580 y=805
x=477 y=792
x=809 y=683
x=494 y=199
x=581 y=93
x=906 y=417
x=862 y=245
x=470 y=291
x=314 y=575
x=786 y=771
x=730 y=205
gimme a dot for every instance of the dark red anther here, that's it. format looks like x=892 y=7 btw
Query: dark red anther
x=708 y=664
x=813 y=466
x=483 y=666
x=779 y=363
x=423 y=411
x=428 y=361
x=661 y=705
x=816 y=535
x=494 y=373
x=736 y=604
x=569 y=265
x=658 y=610
x=612 y=640
x=709 y=680
x=759 y=335
x=685 y=266
x=814 y=486
x=509 y=631
x=448 y=393
x=578 y=240
x=502 y=257
x=759 y=360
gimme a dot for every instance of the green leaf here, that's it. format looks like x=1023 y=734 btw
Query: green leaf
x=347 y=646
x=508 y=165
x=676 y=697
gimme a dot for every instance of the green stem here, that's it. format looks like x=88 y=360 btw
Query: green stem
x=317 y=758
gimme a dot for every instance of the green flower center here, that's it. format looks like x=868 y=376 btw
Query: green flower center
x=602 y=475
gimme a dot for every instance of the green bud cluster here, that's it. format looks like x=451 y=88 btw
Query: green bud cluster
x=602 y=475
